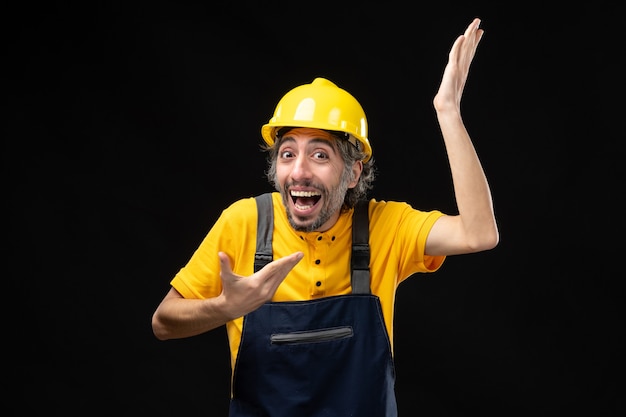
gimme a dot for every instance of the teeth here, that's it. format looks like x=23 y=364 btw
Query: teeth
x=304 y=193
x=299 y=207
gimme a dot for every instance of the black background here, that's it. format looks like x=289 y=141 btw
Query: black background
x=129 y=126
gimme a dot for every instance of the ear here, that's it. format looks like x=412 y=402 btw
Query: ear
x=357 y=168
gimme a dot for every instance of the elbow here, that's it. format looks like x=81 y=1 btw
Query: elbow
x=485 y=241
x=158 y=329
x=489 y=240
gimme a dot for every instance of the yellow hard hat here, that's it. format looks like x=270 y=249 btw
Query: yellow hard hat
x=320 y=105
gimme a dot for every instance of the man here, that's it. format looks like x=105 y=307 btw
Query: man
x=305 y=339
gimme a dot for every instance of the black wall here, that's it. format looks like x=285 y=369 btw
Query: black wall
x=129 y=126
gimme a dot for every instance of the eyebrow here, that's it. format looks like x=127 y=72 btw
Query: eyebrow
x=330 y=142
x=339 y=135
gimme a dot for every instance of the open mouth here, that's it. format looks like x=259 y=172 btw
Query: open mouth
x=305 y=200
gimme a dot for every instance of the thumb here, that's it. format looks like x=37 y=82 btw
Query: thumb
x=225 y=267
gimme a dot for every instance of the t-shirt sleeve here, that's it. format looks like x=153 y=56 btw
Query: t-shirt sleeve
x=232 y=233
x=398 y=235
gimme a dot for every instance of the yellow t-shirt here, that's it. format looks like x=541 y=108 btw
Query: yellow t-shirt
x=397 y=238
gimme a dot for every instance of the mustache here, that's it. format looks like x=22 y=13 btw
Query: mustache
x=309 y=184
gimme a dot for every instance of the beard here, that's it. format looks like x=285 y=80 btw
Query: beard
x=333 y=199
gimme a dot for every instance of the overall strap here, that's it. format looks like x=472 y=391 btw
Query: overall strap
x=265 y=228
x=360 y=259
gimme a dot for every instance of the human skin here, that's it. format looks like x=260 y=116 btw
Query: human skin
x=473 y=229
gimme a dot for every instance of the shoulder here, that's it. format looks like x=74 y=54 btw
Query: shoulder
x=247 y=207
x=398 y=212
x=242 y=209
x=383 y=207
x=244 y=204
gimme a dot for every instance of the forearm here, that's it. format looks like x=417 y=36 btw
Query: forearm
x=472 y=192
x=177 y=317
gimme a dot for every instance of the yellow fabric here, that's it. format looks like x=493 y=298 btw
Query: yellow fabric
x=397 y=238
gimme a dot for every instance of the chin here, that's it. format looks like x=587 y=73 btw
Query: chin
x=300 y=225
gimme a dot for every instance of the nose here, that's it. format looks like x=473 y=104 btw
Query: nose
x=301 y=168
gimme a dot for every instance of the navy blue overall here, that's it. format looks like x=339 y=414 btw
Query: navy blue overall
x=323 y=357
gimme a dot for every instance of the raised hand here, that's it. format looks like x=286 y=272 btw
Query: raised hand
x=456 y=71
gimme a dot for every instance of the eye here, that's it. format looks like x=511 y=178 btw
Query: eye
x=286 y=154
x=320 y=155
